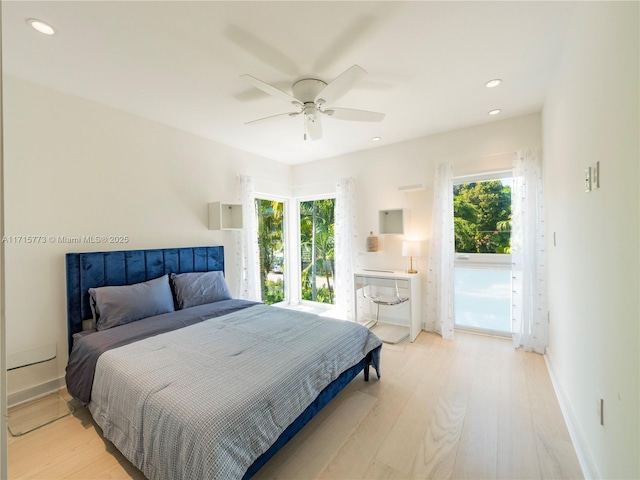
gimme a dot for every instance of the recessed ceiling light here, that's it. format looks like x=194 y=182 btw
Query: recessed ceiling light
x=493 y=83
x=41 y=26
x=376 y=139
x=494 y=112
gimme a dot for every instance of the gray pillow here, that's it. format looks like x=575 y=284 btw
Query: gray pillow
x=115 y=306
x=198 y=288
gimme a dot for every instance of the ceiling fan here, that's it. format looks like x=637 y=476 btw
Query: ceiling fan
x=311 y=96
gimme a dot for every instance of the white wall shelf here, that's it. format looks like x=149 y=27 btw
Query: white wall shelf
x=225 y=216
x=392 y=222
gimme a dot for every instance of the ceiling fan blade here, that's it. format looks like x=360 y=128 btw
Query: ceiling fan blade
x=251 y=93
x=341 y=85
x=280 y=115
x=313 y=127
x=354 y=115
x=355 y=33
x=270 y=89
x=261 y=50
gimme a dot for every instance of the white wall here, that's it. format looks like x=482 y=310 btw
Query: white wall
x=591 y=114
x=74 y=168
x=379 y=172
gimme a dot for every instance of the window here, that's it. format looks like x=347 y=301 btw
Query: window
x=317 y=221
x=482 y=216
x=482 y=273
x=270 y=217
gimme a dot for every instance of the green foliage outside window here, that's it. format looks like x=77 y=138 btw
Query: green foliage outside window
x=316 y=250
x=273 y=292
x=482 y=217
x=317 y=223
x=270 y=217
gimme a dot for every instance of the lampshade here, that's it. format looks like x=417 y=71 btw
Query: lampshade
x=411 y=248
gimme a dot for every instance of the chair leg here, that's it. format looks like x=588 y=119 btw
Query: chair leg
x=377 y=314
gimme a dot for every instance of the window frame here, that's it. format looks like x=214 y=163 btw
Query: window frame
x=482 y=258
x=299 y=200
x=286 y=275
x=497 y=261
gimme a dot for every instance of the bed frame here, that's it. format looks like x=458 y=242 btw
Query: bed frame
x=98 y=269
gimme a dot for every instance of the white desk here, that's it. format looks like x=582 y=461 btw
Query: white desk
x=408 y=286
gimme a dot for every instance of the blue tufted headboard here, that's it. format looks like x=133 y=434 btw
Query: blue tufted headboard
x=98 y=269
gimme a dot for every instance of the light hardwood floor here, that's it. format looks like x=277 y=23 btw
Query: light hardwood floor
x=471 y=408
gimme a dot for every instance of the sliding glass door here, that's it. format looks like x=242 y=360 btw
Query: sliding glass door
x=482 y=266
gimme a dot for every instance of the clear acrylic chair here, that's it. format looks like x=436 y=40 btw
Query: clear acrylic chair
x=389 y=299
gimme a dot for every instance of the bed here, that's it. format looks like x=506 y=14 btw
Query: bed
x=207 y=386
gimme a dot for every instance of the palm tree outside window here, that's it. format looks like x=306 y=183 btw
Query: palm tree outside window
x=271 y=234
x=317 y=226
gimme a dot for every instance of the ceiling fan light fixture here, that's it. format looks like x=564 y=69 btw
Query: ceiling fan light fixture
x=41 y=26
x=493 y=83
x=310 y=111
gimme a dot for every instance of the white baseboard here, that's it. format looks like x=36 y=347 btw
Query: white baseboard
x=37 y=391
x=589 y=470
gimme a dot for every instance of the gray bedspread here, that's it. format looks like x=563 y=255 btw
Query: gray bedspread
x=204 y=401
x=88 y=348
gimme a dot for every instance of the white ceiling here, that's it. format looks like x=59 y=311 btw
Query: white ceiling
x=179 y=63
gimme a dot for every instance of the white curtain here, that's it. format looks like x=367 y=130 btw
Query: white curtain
x=439 y=306
x=247 y=253
x=528 y=253
x=345 y=246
